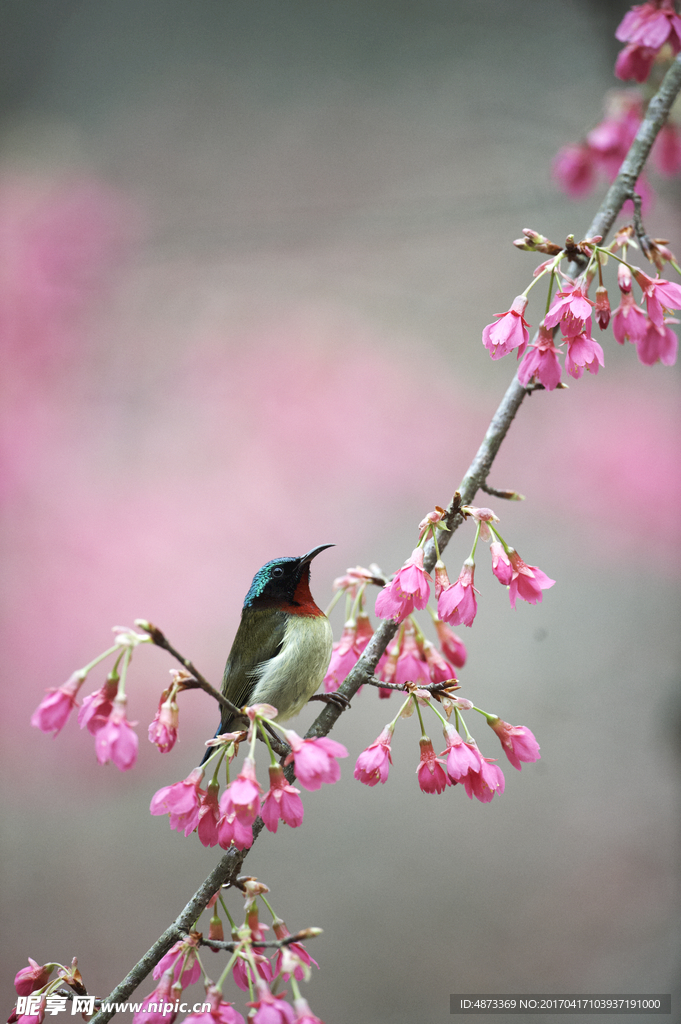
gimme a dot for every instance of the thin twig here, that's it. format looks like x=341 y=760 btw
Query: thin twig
x=507 y=495
x=301 y=936
x=447 y=684
x=160 y=640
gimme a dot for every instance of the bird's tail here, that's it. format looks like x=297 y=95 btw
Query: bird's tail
x=209 y=750
x=223 y=727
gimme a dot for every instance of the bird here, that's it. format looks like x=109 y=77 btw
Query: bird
x=282 y=647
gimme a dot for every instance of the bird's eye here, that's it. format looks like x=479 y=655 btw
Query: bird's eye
x=278 y=571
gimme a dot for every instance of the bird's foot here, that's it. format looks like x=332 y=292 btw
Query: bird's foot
x=336 y=699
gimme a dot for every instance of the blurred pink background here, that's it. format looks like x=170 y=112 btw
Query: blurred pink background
x=247 y=254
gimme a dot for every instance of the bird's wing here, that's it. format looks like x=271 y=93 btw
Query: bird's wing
x=258 y=638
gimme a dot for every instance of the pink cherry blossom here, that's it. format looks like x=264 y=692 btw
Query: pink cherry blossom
x=315 y=759
x=373 y=764
x=411 y=665
x=53 y=711
x=29 y=1018
x=659 y=253
x=439 y=668
x=282 y=932
x=457 y=603
x=281 y=801
x=582 y=353
x=356 y=635
x=343 y=657
x=241 y=971
x=230 y=829
x=646 y=29
x=660 y=295
x=461 y=757
x=452 y=645
x=209 y=816
x=634 y=62
x=117 y=741
x=98 y=706
x=409 y=589
x=571 y=309
x=365 y=631
x=517 y=740
x=629 y=320
x=431 y=775
x=220 y=1012
x=574 y=169
x=610 y=140
x=541 y=361
x=387 y=663
x=154 y=1006
x=271 y=1009
x=304 y=1014
x=651 y=24
x=163 y=730
x=432 y=520
x=658 y=344
x=245 y=793
x=181 y=961
x=528 y=581
x=31 y=978
x=501 y=565
x=602 y=307
x=486 y=781
x=510 y=330
x=666 y=151
x=483 y=516
x=441 y=577
x=181 y=801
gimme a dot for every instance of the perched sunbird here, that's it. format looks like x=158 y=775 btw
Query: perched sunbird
x=282 y=647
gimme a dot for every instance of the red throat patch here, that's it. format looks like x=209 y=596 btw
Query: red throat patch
x=303 y=601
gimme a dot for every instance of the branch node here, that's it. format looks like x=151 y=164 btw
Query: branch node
x=507 y=495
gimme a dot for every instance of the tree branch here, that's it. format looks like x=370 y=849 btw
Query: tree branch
x=622 y=187
x=476 y=475
x=159 y=639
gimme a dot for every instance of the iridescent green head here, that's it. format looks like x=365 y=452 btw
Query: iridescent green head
x=278 y=583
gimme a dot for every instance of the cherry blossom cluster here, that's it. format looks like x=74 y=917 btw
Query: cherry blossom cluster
x=410 y=657
x=34 y=980
x=652 y=32
x=228 y=818
x=103 y=712
x=411 y=662
x=647 y=29
x=578 y=166
x=456 y=602
x=461 y=761
x=218 y=819
x=645 y=325
x=252 y=972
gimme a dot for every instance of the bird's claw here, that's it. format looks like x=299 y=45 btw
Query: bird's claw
x=333 y=698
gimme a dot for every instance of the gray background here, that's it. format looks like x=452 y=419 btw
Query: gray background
x=313 y=208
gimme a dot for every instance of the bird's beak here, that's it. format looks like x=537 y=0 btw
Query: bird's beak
x=313 y=554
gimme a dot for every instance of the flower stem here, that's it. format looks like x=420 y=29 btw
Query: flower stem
x=101 y=657
x=418 y=709
x=475 y=542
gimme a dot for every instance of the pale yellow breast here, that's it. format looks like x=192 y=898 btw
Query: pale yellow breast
x=289 y=680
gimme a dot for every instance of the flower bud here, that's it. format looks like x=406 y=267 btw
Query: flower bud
x=602 y=309
x=215 y=929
